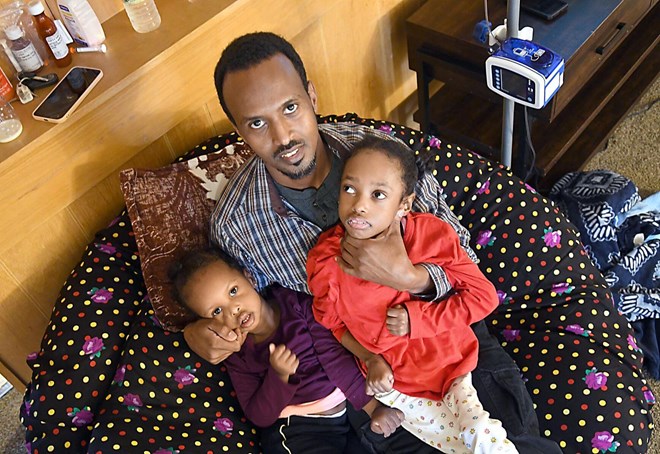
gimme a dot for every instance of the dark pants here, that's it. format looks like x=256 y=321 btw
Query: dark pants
x=501 y=391
x=302 y=435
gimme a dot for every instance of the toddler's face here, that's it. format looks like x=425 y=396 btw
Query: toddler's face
x=222 y=292
x=371 y=194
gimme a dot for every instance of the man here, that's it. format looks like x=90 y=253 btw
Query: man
x=275 y=206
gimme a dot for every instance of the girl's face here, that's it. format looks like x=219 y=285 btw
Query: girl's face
x=371 y=196
x=220 y=291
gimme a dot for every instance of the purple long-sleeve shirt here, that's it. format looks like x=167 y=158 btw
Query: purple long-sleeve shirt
x=324 y=363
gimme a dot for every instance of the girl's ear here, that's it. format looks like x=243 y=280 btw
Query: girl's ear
x=405 y=206
x=250 y=278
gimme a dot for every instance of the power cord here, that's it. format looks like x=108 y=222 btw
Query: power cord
x=528 y=136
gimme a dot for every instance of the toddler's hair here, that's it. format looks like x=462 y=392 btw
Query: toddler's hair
x=412 y=166
x=182 y=270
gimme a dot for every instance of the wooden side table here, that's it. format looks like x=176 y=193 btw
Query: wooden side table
x=611 y=52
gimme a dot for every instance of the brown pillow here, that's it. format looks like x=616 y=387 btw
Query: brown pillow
x=170 y=209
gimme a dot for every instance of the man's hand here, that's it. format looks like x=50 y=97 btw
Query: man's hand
x=212 y=340
x=283 y=360
x=380 y=378
x=383 y=260
x=398 y=322
x=385 y=420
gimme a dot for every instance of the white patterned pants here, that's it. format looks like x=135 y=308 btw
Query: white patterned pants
x=456 y=424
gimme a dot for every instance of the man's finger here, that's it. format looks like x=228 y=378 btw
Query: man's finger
x=221 y=330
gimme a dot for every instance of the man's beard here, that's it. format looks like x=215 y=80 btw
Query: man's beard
x=302 y=172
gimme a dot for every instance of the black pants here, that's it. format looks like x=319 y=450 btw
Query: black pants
x=302 y=435
x=501 y=391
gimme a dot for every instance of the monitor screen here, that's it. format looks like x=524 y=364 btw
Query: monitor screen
x=514 y=84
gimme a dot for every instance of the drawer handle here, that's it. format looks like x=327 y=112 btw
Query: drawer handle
x=600 y=50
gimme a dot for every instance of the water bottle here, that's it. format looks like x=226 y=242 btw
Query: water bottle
x=143 y=15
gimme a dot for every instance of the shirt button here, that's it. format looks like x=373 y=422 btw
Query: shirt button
x=373 y=340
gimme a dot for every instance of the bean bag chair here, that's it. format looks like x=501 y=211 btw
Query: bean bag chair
x=114 y=375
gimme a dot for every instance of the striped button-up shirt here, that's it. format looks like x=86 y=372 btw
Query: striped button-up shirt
x=253 y=223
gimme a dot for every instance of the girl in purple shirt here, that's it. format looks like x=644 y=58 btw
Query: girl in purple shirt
x=291 y=377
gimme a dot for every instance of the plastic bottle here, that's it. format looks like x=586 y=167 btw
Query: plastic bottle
x=50 y=34
x=10 y=125
x=23 y=50
x=81 y=21
x=143 y=15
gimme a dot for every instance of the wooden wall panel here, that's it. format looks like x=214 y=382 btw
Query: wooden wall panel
x=354 y=52
x=98 y=206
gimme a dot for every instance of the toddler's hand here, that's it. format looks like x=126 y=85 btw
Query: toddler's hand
x=379 y=376
x=398 y=322
x=385 y=420
x=283 y=360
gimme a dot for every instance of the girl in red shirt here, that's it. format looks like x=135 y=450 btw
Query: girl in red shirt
x=417 y=355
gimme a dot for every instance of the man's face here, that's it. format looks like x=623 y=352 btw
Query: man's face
x=275 y=114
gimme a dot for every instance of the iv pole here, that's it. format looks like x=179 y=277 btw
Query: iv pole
x=512 y=27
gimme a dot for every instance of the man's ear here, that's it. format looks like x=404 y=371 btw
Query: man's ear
x=250 y=278
x=311 y=91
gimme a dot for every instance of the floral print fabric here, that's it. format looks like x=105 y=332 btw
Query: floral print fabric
x=108 y=379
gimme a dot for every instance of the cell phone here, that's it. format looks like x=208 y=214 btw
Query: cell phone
x=547 y=9
x=67 y=94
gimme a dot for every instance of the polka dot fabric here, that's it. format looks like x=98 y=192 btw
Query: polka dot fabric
x=83 y=343
x=164 y=398
x=109 y=379
x=556 y=318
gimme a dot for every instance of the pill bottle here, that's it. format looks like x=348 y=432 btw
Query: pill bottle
x=23 y=50
x=50 y=34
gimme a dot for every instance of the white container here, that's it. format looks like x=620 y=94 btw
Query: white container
x=10 y=126
x=81 y=21
x=143 y=15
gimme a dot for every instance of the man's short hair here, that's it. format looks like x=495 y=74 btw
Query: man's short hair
x=249 y=50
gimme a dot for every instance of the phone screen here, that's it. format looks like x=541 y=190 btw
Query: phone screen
x=67 y=93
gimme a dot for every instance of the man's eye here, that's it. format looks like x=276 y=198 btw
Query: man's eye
x=380 y=195
x=349 y=189
x=217 y=311
x=233 y=291
x=257 y=124
x=291 y=108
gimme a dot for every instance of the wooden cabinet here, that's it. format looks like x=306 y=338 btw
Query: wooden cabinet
x=611 y=53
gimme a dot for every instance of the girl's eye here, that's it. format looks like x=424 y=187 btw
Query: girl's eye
x=233 y=291
x=291 y=108
x=217 y=311
x=349 y=189
x=257 y=124
x=380 y=195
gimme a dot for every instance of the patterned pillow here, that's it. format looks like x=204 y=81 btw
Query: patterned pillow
x=169 y=209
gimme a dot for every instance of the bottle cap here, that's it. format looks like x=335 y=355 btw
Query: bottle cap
x=35 y=8
x=13 y=32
